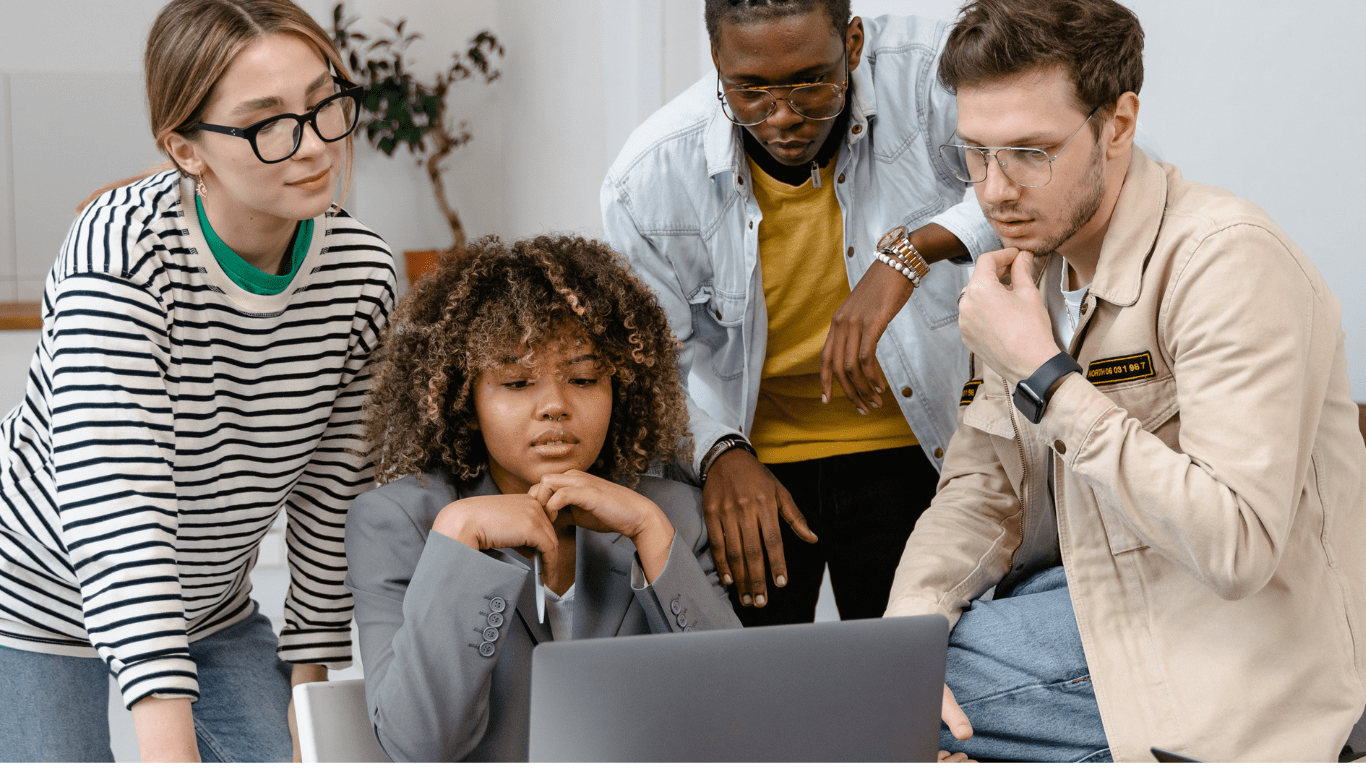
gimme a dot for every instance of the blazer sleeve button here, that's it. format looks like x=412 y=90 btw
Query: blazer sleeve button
x=486 y=649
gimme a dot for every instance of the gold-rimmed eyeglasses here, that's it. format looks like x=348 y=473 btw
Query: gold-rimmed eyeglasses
x=1026 y=166
x=813 y=101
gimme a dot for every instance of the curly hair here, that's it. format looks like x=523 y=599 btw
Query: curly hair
x=494 y=301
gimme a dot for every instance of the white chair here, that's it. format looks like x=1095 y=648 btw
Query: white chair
x=334 y=726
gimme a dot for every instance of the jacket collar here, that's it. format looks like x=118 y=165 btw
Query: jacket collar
x=725 y=150
x=1133 y=232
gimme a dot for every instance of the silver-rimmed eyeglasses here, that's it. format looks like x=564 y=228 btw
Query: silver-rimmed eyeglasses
x=813 y=101
x=1026 y=166
x=277 y=138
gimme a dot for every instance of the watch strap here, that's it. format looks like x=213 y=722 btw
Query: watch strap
x=1032 y=394
x=903 y=250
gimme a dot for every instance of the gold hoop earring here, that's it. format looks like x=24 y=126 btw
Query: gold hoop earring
x=199 y=188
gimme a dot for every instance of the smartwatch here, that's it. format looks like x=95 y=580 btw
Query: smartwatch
x=1031 y=395
x=897 y=243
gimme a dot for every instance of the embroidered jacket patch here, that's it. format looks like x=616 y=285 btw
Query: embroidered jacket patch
x=969 y=391
x=1116 y=369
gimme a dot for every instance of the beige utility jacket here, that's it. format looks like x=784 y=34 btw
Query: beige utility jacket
x=1209 y=486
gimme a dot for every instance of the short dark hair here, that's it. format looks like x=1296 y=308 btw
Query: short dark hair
x=746 y=11
x=1099 y=43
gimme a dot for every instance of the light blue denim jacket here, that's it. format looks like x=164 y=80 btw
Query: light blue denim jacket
x=677 y=204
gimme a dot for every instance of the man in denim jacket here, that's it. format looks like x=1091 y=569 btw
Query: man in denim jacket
x=753 y=204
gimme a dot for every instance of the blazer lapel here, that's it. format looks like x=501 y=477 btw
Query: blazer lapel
x=603 y=579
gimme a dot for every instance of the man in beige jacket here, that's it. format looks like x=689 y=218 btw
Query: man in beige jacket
x=1156 y=467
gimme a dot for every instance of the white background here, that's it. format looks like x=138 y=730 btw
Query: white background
x=1265 y=98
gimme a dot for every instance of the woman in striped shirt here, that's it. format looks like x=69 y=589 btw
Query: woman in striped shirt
x=202 y=366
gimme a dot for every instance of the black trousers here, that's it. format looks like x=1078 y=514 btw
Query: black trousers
x=862 y=506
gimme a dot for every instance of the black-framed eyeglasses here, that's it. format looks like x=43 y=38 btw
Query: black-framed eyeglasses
x=1026 y=166
x=277 y=138
x=813 y=101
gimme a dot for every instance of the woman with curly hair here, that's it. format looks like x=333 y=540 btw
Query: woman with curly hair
x=520 y=396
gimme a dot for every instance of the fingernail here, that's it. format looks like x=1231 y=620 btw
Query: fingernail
x=825 y=400
x=727 y=580
x=862 y=412
x=746 y=600
x=781 y=581
x=760 y=600
x=877 y=404
x=877 y=390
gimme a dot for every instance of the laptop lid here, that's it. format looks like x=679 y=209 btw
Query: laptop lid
x=866 y=690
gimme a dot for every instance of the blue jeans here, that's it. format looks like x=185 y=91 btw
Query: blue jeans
x=58 y=707
x=1017 y=669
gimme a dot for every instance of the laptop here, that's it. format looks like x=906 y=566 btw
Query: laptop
x=846 y=691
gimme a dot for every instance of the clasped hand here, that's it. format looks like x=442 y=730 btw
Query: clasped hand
x=1006 y=326
x=527 y=522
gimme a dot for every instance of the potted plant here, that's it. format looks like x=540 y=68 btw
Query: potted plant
x=401 y=110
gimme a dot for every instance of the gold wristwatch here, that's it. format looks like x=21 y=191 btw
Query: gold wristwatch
x=897 y=244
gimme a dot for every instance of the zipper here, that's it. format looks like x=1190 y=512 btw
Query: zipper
x=1024 y=470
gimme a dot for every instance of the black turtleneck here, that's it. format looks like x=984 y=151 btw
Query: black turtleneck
x=797 y=175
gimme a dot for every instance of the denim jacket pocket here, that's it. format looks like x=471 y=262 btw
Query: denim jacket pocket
x=716 y=324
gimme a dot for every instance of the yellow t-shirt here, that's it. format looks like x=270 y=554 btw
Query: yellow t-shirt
x=801 y=253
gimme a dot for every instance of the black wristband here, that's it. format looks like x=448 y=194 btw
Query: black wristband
x=1031 y=395
x=720 y=447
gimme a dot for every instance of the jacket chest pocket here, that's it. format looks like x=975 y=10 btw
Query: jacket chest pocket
x=1153 y=403
x=717 y=326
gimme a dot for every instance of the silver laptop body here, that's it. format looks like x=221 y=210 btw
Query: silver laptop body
x=866 y=690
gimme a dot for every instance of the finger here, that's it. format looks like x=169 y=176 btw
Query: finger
x=540 y=492
x=854 y=365
x=953 y=717
x=844 y=366
x=832 y=340
x=867 y=355
x=788 y=509
x=773 y=546
x=753 y=548
x=735 y=558
x=715 y=536
x=1004 y=258
x=1022 y=272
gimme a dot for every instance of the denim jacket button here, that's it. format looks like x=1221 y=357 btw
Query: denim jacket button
x=906 y=392
x=939 y=453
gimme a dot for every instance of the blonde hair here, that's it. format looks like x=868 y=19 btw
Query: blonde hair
x=191 y=45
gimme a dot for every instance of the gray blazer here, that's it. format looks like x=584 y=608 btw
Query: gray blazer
x=446 y=632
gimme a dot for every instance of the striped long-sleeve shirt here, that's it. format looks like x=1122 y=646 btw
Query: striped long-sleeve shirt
x=169 y=416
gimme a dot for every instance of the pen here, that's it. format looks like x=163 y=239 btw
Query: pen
x=540 y=590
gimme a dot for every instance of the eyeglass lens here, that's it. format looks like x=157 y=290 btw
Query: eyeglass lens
x=280 y=138
x=818 y=102
x=1026 y=167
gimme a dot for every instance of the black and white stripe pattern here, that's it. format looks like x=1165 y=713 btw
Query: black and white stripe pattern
x=169 y=416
